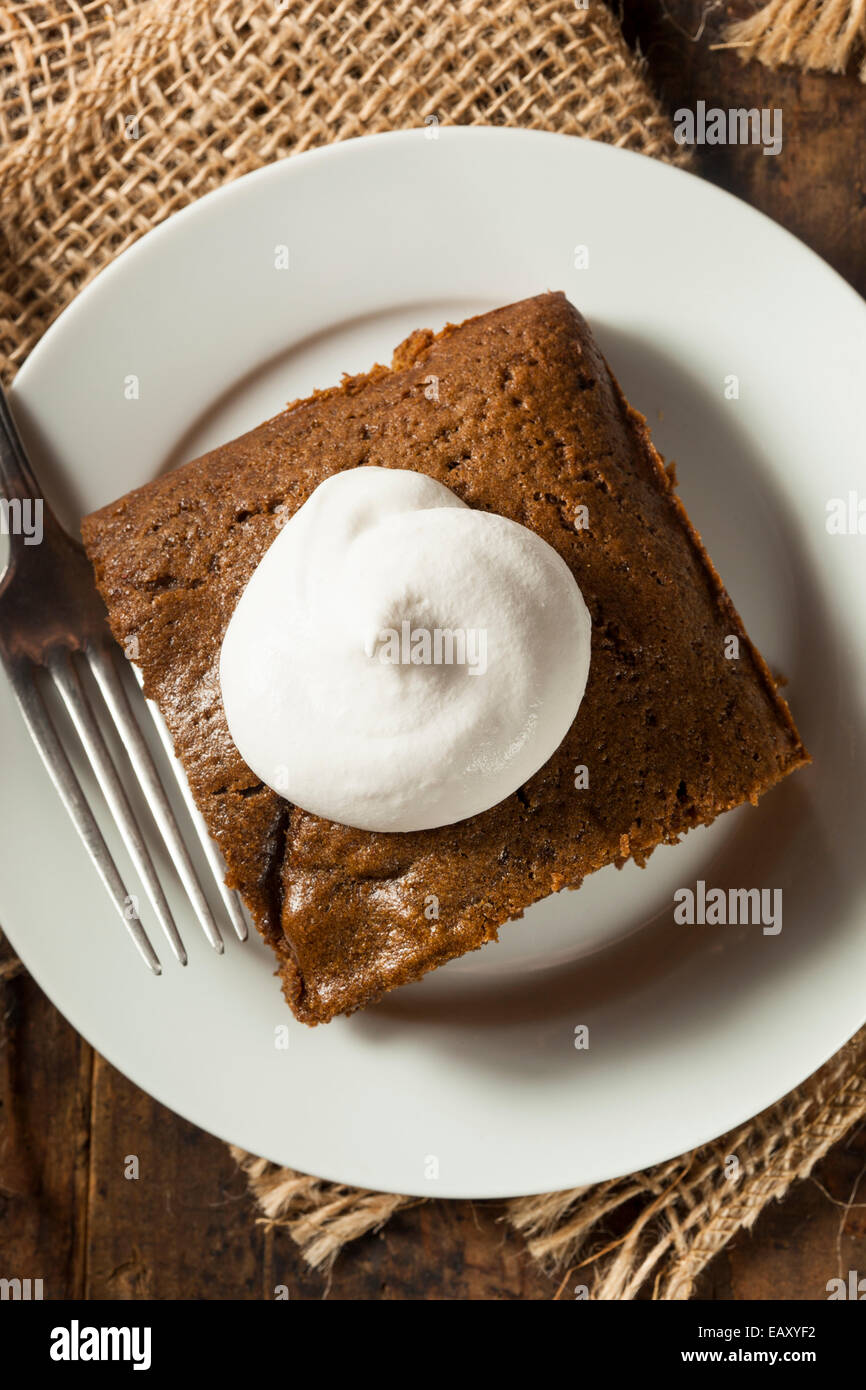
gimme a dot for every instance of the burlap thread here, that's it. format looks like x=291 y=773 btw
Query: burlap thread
x=112 y=117
x=817 y=35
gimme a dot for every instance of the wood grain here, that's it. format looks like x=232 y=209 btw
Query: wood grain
x=184 y=1228
x=816 y=187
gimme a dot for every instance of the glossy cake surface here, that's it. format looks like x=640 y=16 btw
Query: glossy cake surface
x=516 y=412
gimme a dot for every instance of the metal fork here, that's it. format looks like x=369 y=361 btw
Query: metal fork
x=53 y=620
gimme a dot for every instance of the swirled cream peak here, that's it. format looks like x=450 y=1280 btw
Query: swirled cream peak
x=400 y=661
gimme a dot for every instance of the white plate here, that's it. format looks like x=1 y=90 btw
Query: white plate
x=692 y=1030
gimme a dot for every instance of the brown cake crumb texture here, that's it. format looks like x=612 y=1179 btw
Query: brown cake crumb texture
x=529 y=423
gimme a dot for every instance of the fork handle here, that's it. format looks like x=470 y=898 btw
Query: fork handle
x=17 y=478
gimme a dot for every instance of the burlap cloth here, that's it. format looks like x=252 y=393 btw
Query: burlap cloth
x=818 y=35
x=114 y=116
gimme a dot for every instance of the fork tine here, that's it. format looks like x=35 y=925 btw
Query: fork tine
x=115 y=697
x=68 y=683
x=59 y=769
x=229 y=897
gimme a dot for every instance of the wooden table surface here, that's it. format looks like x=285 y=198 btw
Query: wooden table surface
x=186 y=1228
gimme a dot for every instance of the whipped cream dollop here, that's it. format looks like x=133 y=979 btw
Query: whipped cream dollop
x=400 y=661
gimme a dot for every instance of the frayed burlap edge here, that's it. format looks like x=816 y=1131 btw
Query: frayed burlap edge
x=321 y=1217
x=695 y=1204
x=817 y=35
x=690 y=1207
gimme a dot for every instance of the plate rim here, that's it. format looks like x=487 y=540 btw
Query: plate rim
x=341 y=148
x=347 y=149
